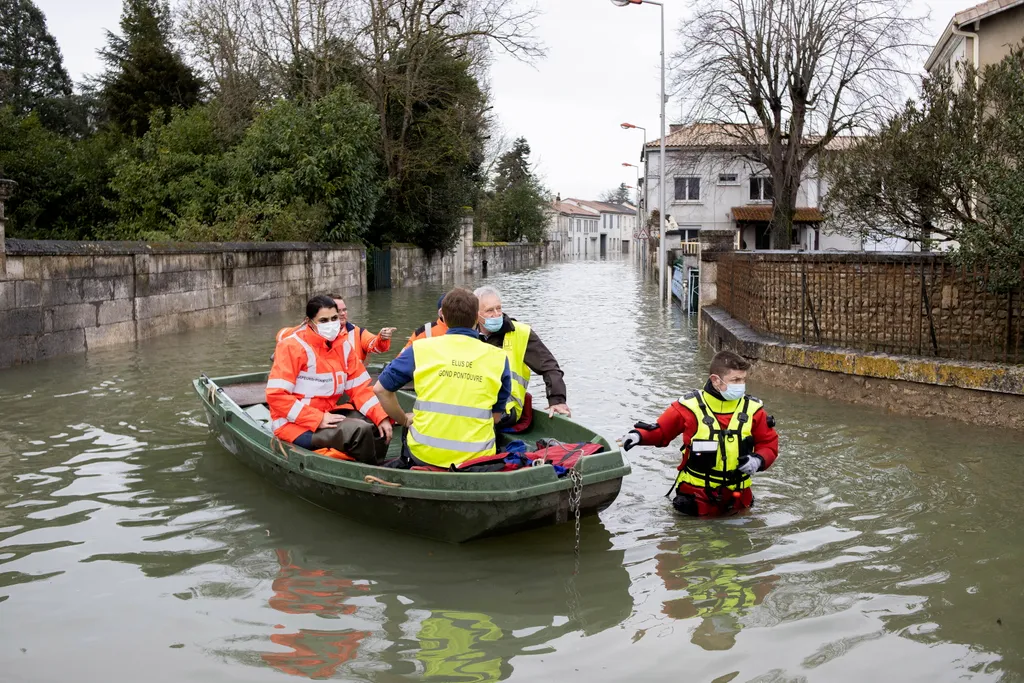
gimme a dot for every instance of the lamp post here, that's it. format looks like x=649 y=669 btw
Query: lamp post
x=661 y=157
x=641 y=215
x=636 y=227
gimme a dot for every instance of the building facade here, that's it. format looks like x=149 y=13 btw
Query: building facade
x=713 y=185
x=981 y=36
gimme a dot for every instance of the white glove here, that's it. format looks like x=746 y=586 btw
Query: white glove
x=629 y=440
x=751 y=464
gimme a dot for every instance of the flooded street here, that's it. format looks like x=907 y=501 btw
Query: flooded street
x=134 y=548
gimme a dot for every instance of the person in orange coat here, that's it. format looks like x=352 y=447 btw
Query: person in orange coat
x=313 y=368
x=363 y=341
x=434 y=329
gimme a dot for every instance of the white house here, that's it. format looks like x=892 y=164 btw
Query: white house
x=576 y=227
x=711 y=186
x=615 y=226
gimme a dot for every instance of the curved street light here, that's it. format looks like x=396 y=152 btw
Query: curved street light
x=662 y=291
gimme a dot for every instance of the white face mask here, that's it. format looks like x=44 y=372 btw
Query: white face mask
x=329 y=330
x=734 y=392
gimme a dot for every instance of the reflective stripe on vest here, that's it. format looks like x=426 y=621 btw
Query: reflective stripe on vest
x=514 y=344
x=311 y=383
x=725 y=471
x=426 y=330
x=457 y=381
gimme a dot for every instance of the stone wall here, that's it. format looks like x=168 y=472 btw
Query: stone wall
x=488 y=258
x=67 y=297
x=978 y=393
x=910 y=304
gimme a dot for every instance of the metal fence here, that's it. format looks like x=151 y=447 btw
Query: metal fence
x=908 y=304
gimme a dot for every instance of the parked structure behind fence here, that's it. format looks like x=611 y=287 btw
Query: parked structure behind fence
x=909 y=304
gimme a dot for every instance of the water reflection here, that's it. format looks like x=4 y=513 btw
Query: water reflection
x=312 y=653
x=717 y=592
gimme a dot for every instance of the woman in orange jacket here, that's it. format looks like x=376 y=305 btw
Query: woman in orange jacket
x=363 y=341
x=313 y=368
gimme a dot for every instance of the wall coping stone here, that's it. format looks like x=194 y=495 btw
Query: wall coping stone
x=785 y=256
x=993 y=377
x=19 y=247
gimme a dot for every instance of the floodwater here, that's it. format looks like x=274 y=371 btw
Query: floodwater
x=134 y=548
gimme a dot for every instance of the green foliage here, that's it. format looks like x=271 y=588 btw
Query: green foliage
x=946 y=169
x=60 y=180
x=32 y=74
x=516 y=208
x=432 y=150
x=300 y=172
x=620 y=195
x=144 y=73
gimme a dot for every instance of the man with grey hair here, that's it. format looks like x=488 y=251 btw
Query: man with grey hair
x=526 y=353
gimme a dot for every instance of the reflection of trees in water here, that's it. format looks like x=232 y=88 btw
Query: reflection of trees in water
x=717 y=594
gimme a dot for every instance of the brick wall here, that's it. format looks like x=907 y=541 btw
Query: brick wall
x=67 y=297
x=913 y=304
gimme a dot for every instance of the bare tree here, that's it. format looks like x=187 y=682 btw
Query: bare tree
x=789 y=76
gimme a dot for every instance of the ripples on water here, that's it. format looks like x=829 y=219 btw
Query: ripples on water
x=132 y=547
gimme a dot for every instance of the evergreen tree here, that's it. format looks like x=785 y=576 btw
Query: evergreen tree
x=516 y=209
x=32 y=75
x=620 y=195
x=513 y=166
x=144 y=72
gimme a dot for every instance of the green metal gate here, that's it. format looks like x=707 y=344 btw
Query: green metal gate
x=378 y=268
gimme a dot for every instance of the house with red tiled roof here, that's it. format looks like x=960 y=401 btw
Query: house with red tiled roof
x=616 y=226
x=572 y=225
x=713 y=184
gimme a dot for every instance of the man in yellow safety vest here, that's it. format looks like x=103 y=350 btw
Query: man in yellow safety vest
x=462 y=387
x=526 y=353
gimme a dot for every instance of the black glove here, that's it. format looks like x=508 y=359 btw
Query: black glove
x=749 y=464
x=632 y=438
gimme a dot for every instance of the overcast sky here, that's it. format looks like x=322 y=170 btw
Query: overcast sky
x=601 y=70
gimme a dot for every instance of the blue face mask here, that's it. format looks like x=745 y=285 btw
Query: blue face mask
x=493 y=324
x=734 y=392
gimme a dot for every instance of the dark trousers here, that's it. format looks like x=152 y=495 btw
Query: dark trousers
x=355 y=436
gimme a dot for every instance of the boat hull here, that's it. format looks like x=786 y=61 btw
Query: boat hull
x=452 y=507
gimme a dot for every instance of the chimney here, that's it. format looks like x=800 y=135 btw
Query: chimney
x=558 y=197
x=675 y=127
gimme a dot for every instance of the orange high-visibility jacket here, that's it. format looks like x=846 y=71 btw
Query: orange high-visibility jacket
x=308 y=378
x=368 y=341
x=434 y=329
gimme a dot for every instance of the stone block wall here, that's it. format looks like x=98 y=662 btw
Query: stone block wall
x=488 y=258
x=410 y=266
x=67 y=297
x=912 y=304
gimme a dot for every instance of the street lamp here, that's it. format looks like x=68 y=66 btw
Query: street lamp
x=662 y=291
x=636 y=228
x=641 y=215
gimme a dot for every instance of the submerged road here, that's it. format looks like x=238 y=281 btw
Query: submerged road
x=134 y=548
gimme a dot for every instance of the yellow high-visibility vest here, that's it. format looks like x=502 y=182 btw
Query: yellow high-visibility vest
x=514 y=345
x=721 y=470
x=457 y=381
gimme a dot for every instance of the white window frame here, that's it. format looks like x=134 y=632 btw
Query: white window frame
x=687 y=200
x=735 y=179
x=760 y=184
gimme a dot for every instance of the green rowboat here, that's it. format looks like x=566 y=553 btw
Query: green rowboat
x=453 y=507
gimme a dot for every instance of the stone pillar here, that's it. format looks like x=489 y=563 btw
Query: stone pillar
x=713 y=243
x=6 y=190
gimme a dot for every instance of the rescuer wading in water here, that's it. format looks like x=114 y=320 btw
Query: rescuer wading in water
x=727 y=437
